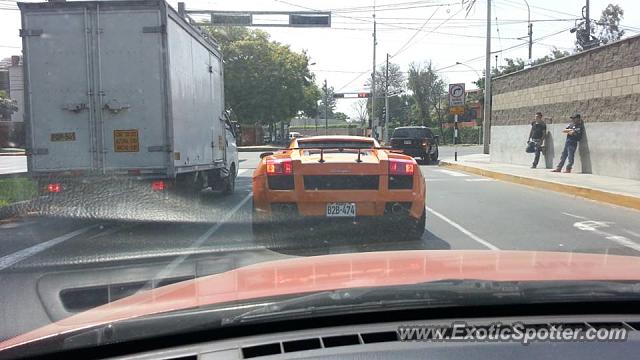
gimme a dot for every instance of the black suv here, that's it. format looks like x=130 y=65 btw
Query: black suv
x=416 y=141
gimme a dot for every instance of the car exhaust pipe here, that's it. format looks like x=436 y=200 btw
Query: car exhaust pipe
x=397 y=208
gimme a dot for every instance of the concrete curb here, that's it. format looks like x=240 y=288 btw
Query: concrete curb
x=17 y=209
x=592 y=194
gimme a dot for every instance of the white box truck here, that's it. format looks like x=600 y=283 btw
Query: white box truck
x=123 y=91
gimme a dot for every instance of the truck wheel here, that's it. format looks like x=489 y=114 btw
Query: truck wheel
x=416 y=227
x=230 y=181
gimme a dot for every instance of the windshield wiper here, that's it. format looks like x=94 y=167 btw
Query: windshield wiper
x=440 y=293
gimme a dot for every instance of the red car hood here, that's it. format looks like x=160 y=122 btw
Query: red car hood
x=344 y=271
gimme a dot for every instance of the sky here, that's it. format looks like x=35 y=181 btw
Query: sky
x=411 y=31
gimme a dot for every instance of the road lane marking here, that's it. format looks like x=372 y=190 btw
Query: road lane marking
x=201 y=239
x=452 y=173
x=18 y=256
x=478 y=180
x=595 y=227
x=632 y=233
x=463 y=230
x=242 y=171
x=574 y=216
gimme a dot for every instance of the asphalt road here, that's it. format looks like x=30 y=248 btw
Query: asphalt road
x=42 y=256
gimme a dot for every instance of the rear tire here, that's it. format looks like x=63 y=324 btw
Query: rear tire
x=417 y=227
x=434 y=157
x=230 y=181
x=424 y=159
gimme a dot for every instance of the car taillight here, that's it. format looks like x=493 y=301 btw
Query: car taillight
x=158 y=185
x=279 y=167
x=401 y=167
x=54 y=188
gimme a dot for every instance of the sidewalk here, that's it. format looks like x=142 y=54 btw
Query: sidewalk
x=612 y=190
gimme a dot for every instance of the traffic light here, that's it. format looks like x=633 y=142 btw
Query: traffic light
x=337 y=96
x=312 y=20
x=364 y=95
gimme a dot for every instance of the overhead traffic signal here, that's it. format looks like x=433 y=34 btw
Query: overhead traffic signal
x=364 y=95
x=336 y=95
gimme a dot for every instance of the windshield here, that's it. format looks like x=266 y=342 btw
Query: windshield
x=209 y=155
x=412 y=133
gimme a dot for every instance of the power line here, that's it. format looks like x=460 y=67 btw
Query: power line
x=432 y=31
x=504 y=50
x=519 y=5
x=415 y=34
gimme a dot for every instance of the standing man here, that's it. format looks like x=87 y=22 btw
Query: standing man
x=536 y=135
x=574 y=133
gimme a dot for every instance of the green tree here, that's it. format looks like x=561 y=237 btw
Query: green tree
x=397 y=84
x=609 y=24
x=427 y=88
x=7 y=106
x=312 y=94
x=265 y=82
x=340 y=116
x=331 y=103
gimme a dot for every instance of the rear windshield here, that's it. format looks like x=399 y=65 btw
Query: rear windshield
x=335 y=144
x=412 y=133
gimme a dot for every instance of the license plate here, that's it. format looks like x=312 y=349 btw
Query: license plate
x=407 y=142
x=341 y=210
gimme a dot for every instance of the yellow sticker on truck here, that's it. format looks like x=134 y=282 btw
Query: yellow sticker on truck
x=126 y=140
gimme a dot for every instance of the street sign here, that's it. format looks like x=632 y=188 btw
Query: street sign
x=456 y=99
x=456 y=95
x=456 y=110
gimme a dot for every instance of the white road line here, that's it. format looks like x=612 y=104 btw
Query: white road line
x=478 y=180
x=9 y=260
x=452 y=173
x=463 y=230
x=242 y=171
x=204 y=237
x=595 y=226
x=632 y=233
x=574 y=216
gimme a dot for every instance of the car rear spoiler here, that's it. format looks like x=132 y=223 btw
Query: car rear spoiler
x=322 y=149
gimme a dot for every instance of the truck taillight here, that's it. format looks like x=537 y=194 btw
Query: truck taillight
x=158 y=185
x=54 y=188
x=401 y=167
x=279 y=167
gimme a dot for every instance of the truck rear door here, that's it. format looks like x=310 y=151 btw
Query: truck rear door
x=132 y=84
x=58 y=83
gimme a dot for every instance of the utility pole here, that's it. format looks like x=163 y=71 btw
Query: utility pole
x=587 y=24
x=386 y=103
x=326 y=108
x=530 y=29
x=374 y=123
x=486 y=119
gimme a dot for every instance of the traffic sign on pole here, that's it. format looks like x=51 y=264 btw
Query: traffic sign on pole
x=456 y=99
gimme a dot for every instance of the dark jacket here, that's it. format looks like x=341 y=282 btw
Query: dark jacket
x=578 y=132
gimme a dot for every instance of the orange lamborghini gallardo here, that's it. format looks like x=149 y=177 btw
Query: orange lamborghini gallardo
x=324 y=183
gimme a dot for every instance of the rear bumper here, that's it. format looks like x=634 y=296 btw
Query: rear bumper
x=414 y=152
x=313 y=204
x=287 y=218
